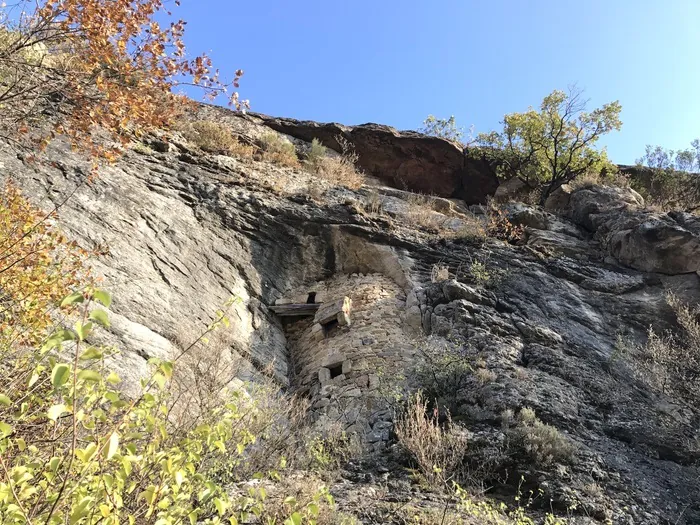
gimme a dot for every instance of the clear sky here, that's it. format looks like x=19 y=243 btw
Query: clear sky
x=394 y=62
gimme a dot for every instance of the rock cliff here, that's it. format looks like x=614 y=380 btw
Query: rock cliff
x=188 y=230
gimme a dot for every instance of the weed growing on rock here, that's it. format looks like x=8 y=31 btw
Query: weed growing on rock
x=671 y=362
x=479 y=273
x=373 y=203
x=314 y=157
x=439 y=273
x=438 y=449
x=443 y=370
x=499 y=225
x=542 y=443
x=278 y=150
x=213 y=137
x=337 y=169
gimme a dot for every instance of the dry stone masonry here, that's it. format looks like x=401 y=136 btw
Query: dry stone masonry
x=355 y=344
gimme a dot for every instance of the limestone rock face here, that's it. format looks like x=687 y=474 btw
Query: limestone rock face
x=539 y=325
x=667 y=243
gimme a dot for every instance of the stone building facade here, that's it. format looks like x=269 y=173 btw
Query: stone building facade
x=350 y=369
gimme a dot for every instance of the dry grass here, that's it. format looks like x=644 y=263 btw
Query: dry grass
x=279 y=151
x=542 y=443
x=671 y=362
x=596 y=179
x=373 y=203
x=214 y=138
x=438 y=450
x=422 y=214
x=439 y=273
x=485 y=376
x=338 y=170
x=472 y=229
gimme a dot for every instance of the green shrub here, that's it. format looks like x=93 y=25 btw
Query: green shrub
x=444 y=128
x=316 y=155
x=542 y=443
x=279 y=151
x=443 y=370
x=74 y=449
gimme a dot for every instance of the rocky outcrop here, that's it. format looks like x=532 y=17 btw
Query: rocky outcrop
x=642 y=239
x=404 y=159
x=542 y=320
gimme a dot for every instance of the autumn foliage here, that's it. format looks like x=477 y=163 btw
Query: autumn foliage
x=85 y=65
x=38 y=267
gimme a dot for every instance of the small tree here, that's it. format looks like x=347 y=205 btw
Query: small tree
x=555 y=144
x=444 y=128
x=673 y=178
x=79 y=65
x=659 y=158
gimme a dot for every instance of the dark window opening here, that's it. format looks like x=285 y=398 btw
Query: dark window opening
x=330 y=327
x=312 y=298
x=336 y=370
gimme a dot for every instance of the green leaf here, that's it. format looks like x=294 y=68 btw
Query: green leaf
x=167 y=368
x=89 y=375
x=83 y=330
x=113 y=378
x=60 y=374
x=103 y=297
x=74 y=298
x=313 y=509
x=5 y=401
x=220 y=506
x=57 y=339
x=112 y=446
x=55 y=412
x=86 y=454
x=290 y=500
x=5 y=429
x=101 y=317
x=91 y=353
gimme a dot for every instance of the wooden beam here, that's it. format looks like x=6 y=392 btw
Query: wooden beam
x=296 y=310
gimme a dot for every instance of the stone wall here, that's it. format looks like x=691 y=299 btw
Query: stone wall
x=347 y=371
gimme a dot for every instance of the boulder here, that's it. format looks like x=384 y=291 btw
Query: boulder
x=638 y=238
x=559 y=199
x=512 y=189
x=591 y=206
x=657 y=244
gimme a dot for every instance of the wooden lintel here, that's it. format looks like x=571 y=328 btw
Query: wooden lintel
x=296 y=310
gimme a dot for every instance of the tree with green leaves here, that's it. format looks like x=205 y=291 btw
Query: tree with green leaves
x=672 y=178
x=659 y=158
x=445 y=128
x=554 y=144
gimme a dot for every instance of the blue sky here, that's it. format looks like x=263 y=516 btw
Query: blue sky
x=394 y=62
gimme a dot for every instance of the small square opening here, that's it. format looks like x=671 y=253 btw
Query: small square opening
x=330 y=327
x=336 y=370
x=311 y=299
